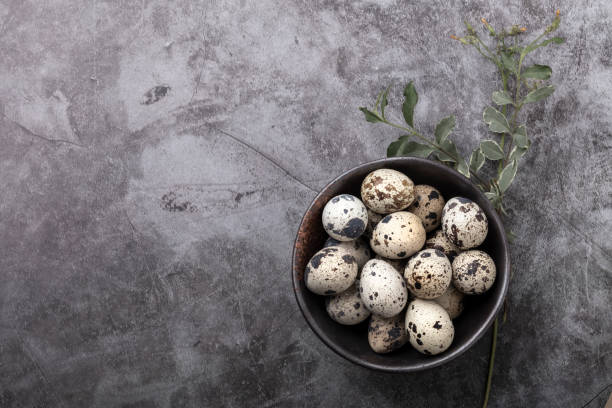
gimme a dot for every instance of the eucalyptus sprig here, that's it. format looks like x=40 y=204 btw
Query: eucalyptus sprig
x=520 y=86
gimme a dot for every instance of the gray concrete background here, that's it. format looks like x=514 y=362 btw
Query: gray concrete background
x=145 y=239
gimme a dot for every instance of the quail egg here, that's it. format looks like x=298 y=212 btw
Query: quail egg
x=358 y=248
x=464 y=223
x=382 y=288
x=430 y=327
x=385 y=191
x=451 y=301
x=398 y=264
x=386 y=334
x=398 y=235
x=473 y=272
x=345 y=217
x=330 y=271
x=373 y=220
x=347 y=307
x=428 y=274
x=427 y=206
x=439 y=241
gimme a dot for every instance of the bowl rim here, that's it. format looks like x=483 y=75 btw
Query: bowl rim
x=446 y=357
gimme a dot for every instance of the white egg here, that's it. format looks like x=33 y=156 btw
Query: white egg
x=382 y=288
x=347 y=307
x=474 y=272
x=398 y=235
x=427 y=206
x=428 y=274
x=345 y=217
x=464 y=223
x=430 y=327
x=330 y=271
x=359 y=248
x=451 y=301
x=386 y=334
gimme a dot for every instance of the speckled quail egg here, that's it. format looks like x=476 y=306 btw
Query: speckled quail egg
x=427 y=206
x=398 y=235
x=382 y=288
x=347 y=307
x=473 y=272
x=330 y=271
x=451 y=301
x=398 y=264
x=345 y=217
x=386 y=334
x=373 y=220
x=428 y=274
x=430 y=327
x=359 y=248
x=439 y=241
x=385 y=191
x=464 y=223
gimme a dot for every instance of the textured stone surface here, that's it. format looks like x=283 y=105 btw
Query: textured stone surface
x=156 y=158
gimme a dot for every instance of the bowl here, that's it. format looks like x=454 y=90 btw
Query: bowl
x=351 y=342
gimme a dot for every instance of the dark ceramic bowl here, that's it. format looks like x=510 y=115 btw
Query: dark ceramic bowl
x=351 y=342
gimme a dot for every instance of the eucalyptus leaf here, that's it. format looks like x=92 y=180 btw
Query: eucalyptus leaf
x=506 y=177
x=539 y=94
x=410 y=100
x=502 y=98
x=517 y=152
x=370 y=116
x=491 y=150
x=384 y=102
x=462 y=167
x=496 y=120
x=404 y=147
x=444 y=128
x=520 y=137
x=508 y=62
x=537 y=71
x=477 y=159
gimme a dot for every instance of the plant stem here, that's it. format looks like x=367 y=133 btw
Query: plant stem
x=491 y=363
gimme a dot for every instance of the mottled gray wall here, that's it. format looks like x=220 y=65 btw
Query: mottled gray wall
x=145 y=240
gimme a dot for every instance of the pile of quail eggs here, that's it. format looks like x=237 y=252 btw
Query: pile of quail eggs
x=380 y=263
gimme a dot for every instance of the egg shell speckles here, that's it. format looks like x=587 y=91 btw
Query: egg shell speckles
x=464 y=223
x=373 y=220
x=385 y=191
x=427 y=206
x=359 y=248
x=386 y=334
x=330 y=271
x=347 y=307
x=451 y=301
x=430 y=327
x=428 y=274
x=345 y=217
x=474 y=272
x=398 y=236
x=382 y=288
x=439 y=241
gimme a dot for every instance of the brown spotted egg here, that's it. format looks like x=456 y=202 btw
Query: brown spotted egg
x=464 y=223
x=330 y=271
x=473 y=272
x=359 y=248
x=451 y=301
x=439 y=241
x=430 y=327
x=428 y=274
x=386 y=334
x=427 y=206
x=347 y=307
x=345 y=217
x=385 y=191
x=382 y=288
x=398 y=235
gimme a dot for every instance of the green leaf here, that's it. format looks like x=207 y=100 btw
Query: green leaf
x=378 y=99
x=517 y=152
x=520 y=137
x=383 y=102
x=508 y=62
x=462 y=167
x=496 y=120
x=491 y=150
x=537 y=72
x=491 y=196
x=410 y=101
x=539 y=94
x=532 y=47
x=404 y=147
x=450 y=151
x=444 y=128
x=370 y=116
x=502 y=98
x=477 y=159
x=507 y=176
